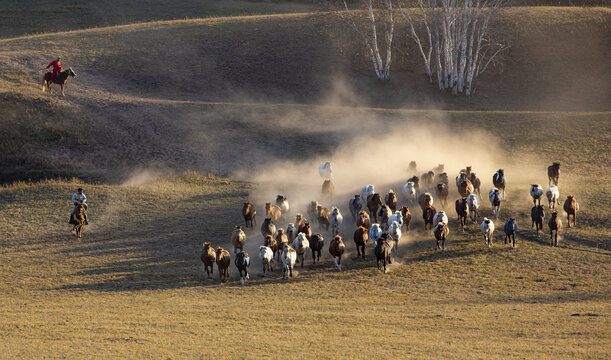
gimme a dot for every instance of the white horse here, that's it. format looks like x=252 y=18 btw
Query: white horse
x=375 y=232
x=289 y=257
x=301 y=244
x=473 y=202
x=267 y=258
x=487 y=230
x=440 y=216
x=494 y=195
x=536 y=191
x=553 y=196
x=325 y=171
x=335 y=219
x=397 y=216
x=394 y=230
x=409 y=191
x=366 y=191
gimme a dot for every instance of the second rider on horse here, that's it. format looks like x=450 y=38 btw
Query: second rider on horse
x=57 y=68
x=79 y=198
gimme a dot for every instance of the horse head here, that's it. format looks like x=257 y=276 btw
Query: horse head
x=70 y=72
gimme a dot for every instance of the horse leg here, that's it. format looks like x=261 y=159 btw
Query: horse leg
x=575 y=219
x=443 y=245
x=568 y=219
x=62 y=86
x=551 y=236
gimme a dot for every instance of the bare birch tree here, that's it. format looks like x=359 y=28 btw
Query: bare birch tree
x=370 y=37
x=453 y=39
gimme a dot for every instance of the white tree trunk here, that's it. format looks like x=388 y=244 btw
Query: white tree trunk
x=381 y=67
x=458 y=36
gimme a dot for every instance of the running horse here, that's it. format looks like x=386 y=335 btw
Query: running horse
x=61 y=79
x=78 y=220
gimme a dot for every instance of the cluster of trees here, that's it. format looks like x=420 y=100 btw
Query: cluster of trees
x=452 y=37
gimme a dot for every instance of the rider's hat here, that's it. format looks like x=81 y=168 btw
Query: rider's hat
x=79 y=189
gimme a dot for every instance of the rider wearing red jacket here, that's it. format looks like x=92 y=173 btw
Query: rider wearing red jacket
x=57 y=68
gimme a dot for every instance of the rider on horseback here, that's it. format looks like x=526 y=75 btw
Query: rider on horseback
x=79 y=198
x=57 y=68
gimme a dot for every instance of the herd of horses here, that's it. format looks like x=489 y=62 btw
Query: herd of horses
x=380 y=221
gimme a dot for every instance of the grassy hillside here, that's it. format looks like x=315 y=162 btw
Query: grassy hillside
x=133 y=286
x=309 y=57
x=21 y=17
x=174 y=94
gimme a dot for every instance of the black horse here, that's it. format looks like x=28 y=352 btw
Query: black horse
x=382 y=250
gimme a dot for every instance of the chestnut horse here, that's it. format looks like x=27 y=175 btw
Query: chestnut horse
x=78 y=220
x=249 y=214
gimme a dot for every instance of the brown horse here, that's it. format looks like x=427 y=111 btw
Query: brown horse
x=407 y=217
x=306 y=229
x=336 y=249
x=278 y=243
x=462 y=209
x=249 y=214
x=208 y=257
x=223 y=260
x=363 y=220
x=465 y=188
x=425 y=199
x=328 y=189
x=442 y=193
x=391 y=200
x=428 y=214
x=273 y=212
x=476 y=182
x=374 y=202
x=554 y=226
x=47 y=80
x=361 y=237
x=571 y=207
x=78 y=220
x=237 y=239
x=323 y=216
x=553 y=173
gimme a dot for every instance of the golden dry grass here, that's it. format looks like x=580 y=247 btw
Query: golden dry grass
x=133 y=286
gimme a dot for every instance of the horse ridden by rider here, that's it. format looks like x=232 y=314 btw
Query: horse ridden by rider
x=56 y=76
x=80 y=205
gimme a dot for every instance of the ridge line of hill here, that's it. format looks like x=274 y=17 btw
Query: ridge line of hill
x=219 y=19
x=146 y=24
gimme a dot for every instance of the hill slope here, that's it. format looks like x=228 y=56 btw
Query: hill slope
x=146 y=90
x=133 y=286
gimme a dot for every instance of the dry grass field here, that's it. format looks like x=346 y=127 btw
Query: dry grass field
x=170 y=126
